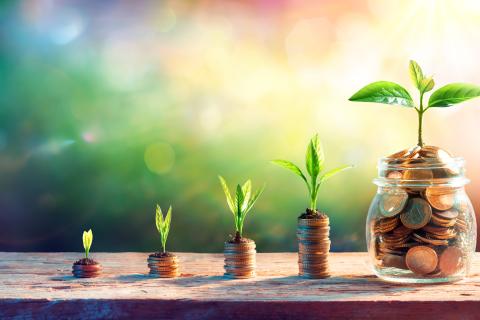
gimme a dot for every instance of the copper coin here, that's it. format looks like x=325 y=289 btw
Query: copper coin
x=441 y=198
x=392 y=202
x=399 y=154
x=451 y=261
x=421 y=260
x=449 y=214
x=394 y=261
x=394 y=175
x=417 y=214
x=319 y=222
x=417 y=174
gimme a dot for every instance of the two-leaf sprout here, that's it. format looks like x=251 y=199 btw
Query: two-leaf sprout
x=391 y=93
x=314 y=163
x=87 y=241
x=241 y=203
x=163 y=224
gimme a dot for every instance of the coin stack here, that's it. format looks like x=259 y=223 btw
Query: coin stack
x=86 y=268
x=313 y=247
x=240 y=258
x=421 y=221
x=163 y=265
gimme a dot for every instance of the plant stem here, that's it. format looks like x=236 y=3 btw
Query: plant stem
x=420 y=121
x=86 y=254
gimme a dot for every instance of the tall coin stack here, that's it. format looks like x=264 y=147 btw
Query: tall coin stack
x=240 y=259
x=313 y=247
x=421 y=223
x=163 y=265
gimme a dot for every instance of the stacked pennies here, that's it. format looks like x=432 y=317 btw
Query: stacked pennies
x=163 y=265
x=86 y=268
x=420 y=226
x=313 y=247
x=240 y=259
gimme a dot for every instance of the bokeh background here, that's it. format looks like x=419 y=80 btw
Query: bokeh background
x=109 y=107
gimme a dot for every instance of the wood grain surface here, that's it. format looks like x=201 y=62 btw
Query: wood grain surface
x=40 y=285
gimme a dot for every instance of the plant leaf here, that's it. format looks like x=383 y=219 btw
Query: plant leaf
x=384 y=92
x=416 y=74
x=159 y=219
x=427 y=84
x=230 y=202
x=166 y=224
x=290 y=166
x=333 y=172
x=453 y=93
x=254 y=199
x=87 y=238
x=247 y=192
x=314 y=157
x=240 y=199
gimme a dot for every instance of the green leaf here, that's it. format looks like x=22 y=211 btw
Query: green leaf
x=314 y=157
x=168 y=220
x=290 y=166
x=384 y=92
x=427 y=84
x=87 y=239
x=230 y=202
x=416 y=74
x=254 y=199
x=247 y=192
x=240 y=198
x=159 y=219
x=453 y=93
x=333 y=172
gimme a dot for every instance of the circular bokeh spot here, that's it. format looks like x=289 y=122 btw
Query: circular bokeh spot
x=159 y=157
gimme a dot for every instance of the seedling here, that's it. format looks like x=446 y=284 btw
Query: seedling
x=163 y=225
x=87 y=241
x=314 y=163
x=241 y=204
x=394 y=94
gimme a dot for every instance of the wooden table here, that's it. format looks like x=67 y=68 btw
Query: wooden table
x=40 y=285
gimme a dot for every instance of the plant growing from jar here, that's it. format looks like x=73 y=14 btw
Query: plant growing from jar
x=240 y=251
x=163 y=264
x=421 y=226
x=313 y=226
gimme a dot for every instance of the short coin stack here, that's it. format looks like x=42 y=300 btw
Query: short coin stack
x=240 y=258
x=163 y=265
x=313 y=247
x=421 y=222
x=86 y=268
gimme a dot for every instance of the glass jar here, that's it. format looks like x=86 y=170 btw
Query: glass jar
x=421 y=225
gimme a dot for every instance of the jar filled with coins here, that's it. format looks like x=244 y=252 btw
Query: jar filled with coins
x=421 y=225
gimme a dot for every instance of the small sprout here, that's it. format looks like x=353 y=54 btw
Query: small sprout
x=241 y=204
x=87 y=241
x=387 y=92
x=314 y=163
x=163 y=225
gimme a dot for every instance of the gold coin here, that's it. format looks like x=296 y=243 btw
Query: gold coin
x=417 y=214
x=451 y=261
x=394 y=175
x=392 y=202
x=421 y=260
x=441 y=198
x=449 y=214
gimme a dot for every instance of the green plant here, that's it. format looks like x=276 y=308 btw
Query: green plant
x=87 y=241
x=241 y=204
x=394 y=94
x=163 y=224
x=314 y=164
